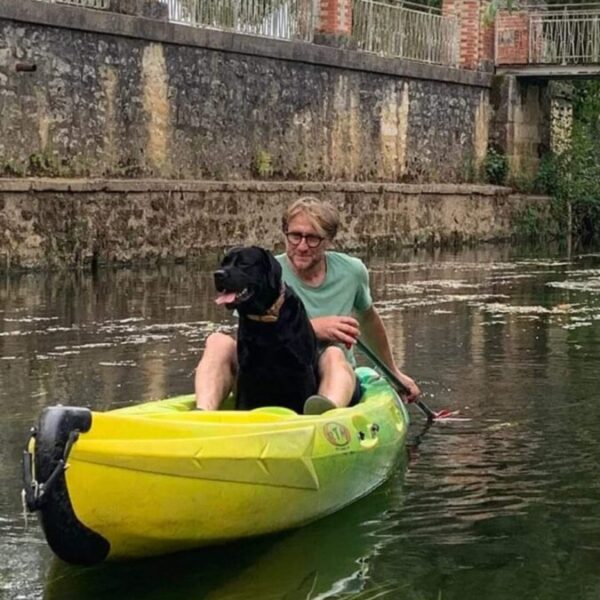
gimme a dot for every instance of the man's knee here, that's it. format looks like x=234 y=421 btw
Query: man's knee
x=334 y=358
x=220 y=340
x=220 y=345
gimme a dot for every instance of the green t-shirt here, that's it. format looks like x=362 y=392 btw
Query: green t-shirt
x=345 y=290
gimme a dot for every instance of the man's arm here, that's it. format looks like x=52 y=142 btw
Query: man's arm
x=374 y=333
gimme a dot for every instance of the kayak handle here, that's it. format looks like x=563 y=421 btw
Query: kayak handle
x=35 y=491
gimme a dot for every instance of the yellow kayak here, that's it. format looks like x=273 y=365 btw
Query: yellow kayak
x=160 y=477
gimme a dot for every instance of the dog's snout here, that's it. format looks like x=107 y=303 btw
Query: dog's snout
x=220 y=276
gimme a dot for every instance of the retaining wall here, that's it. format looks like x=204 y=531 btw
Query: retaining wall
x=88 y=93
x=65 y=223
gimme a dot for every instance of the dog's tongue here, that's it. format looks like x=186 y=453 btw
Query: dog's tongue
x=225 y=298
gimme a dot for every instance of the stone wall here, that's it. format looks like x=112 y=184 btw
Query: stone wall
x=95 y=94
x=521 y=122
x=65 y=223
x=561 y=111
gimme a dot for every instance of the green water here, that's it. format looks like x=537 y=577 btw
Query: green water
x=503 y=505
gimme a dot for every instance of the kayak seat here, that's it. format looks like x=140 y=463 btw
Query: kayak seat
x=275 y=410
x=366 y=375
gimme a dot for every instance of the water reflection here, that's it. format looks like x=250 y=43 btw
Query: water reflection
x=323 y=560
x=502 y=505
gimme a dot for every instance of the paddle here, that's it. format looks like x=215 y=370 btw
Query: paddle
x=400 y=387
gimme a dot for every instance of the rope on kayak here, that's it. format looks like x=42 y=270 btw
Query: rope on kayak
x=25 y=511
x=35 y=492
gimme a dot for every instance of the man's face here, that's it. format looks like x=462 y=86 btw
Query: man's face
x=301 y=255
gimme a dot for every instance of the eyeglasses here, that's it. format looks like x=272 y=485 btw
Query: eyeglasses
x=295 y=238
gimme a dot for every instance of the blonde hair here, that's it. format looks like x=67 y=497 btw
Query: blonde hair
x=321 y=213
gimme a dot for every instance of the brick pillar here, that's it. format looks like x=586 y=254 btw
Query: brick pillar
x=334 y=22
x=512 y=38
x=486 y=40
x=476 y=37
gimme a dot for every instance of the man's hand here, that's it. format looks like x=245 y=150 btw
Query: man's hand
x=342 y=330
x=414 y=391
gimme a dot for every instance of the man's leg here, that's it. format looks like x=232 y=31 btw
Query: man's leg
x=337 y=377
x=216 y=371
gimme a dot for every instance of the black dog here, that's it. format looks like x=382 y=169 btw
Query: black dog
x=276 y=344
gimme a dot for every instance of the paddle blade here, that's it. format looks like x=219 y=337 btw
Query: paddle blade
x=445 y=414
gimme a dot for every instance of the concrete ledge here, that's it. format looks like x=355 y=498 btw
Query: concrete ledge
x=50 y=223
x=143 y=186
x=97 y=21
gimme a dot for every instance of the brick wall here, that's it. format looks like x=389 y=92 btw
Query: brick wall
x=512 y=38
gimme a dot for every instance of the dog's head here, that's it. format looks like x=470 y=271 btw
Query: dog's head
x=248 y=280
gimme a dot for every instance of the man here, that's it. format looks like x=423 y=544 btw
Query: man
x=334 y=288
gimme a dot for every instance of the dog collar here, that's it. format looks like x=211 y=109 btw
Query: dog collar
x=272 y=314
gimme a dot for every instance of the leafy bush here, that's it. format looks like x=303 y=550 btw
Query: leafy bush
x=573 y=179
x=546 y=180
x=495 y=166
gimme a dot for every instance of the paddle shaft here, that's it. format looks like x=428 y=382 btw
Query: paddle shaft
x=401 y=388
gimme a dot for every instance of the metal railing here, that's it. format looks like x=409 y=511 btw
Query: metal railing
x=99 y=4
x=284 y=19
x=565 y=37
x=420 y=34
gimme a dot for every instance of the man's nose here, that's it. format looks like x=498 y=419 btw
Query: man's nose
x=303 y=242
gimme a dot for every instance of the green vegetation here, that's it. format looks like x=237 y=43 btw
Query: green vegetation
x=44 y=164
x=38 y=164
x=572 y=177
x=495 y=167
x=263 y=164
x=11 y=168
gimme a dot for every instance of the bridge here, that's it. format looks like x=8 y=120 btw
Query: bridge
x=558 y=41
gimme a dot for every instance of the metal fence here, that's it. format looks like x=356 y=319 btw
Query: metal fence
x=564 y=37
x=284 y=19
x=408 y=31
x=100 y=4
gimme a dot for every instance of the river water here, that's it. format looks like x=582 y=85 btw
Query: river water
x=502 y=505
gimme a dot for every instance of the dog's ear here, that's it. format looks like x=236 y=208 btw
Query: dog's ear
x=231 y=251
x=226 y=256
x=274 y=271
